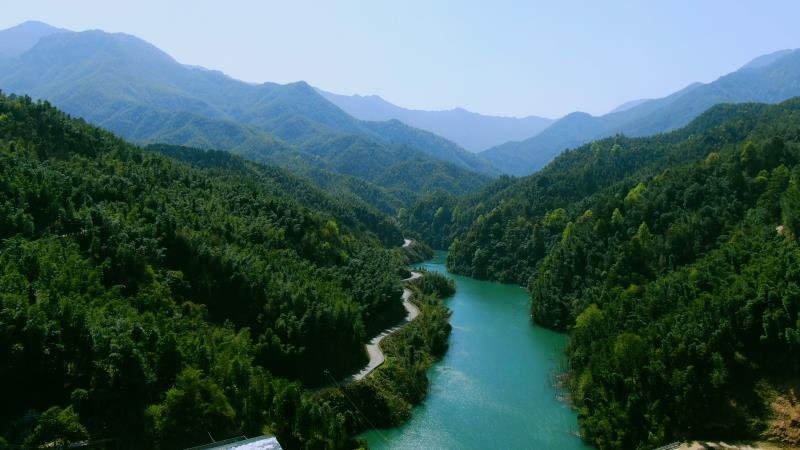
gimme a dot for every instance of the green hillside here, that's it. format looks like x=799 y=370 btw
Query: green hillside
x=152 y=301
x=671 y=260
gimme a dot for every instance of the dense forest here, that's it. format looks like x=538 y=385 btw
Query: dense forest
x=417 y=251
x=349 y=210
x=673 y=262
x=154 y=300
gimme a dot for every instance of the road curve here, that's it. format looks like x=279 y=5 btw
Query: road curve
x=376 y=356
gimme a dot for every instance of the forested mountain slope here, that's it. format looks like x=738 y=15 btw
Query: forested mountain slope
x=347 y=209
x=769 y=78
x=473 y=131
x=672 y=260
x=132 y=88
x=152 y=301
x=358 y=157
x=493 y=212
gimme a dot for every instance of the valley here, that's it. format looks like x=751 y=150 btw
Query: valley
x=192 y=260
x=472 y=403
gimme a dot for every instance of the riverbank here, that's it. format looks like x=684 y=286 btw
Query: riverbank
x=493 y=388
x=386 y=396
x=375 y=354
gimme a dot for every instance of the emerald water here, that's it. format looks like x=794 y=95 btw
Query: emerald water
x=494 y=387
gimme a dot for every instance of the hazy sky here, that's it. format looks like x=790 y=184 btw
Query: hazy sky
x=496 y=57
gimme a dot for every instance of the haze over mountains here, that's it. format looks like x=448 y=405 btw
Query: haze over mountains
x=128 y=86
x=473 y=131
x=769 y=79
x=143 y=94
x=629 y=104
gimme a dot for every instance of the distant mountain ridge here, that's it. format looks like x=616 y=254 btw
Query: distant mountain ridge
x=473 y=131
x=115 y=65
x=132 y=88
x=770 y=79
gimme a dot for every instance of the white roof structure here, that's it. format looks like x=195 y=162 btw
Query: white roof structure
x=256 y=443
x=259 y=443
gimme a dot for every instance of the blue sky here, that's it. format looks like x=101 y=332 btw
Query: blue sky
x=500 y=57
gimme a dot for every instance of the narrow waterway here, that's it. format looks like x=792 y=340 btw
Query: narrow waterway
x=494 y=387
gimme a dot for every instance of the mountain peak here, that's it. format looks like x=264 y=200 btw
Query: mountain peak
x=93 y=44
x=768 y=59
x=578 y=115
x=20 y=38
x=34 y=25
x=373 y=97
x=301 y=86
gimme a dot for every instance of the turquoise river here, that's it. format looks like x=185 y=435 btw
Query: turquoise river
x=494 y=388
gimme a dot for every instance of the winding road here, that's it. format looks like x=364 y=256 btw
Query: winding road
x=376 y=356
